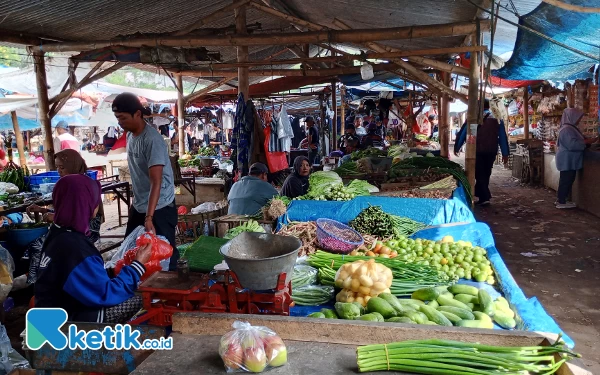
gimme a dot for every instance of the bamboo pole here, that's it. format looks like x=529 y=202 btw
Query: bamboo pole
x=287 y=72
x=44 y=108
x=180 y=115
x=526 y=112
x=472 y=119
x=312 y=37
x=212 y=17
x=242 y=52
x=352 y=57
x=20 y=142
x=343 y=109
x=334 y=119
x=444 y=124
x=322 y=125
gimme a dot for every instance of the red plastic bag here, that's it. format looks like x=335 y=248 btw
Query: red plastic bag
x=277 y=161
x=161 y=250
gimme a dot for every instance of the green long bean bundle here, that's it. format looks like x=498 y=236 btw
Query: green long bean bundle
x=446 y=357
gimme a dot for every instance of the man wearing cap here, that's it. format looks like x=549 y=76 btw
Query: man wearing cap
x=251 y=193
x=217 y=138
x=64 y=140
x=313 y=139
x=151 y=173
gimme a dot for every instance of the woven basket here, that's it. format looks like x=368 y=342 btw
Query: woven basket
x=334 y=242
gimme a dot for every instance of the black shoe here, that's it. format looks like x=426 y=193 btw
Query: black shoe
x=482 y=203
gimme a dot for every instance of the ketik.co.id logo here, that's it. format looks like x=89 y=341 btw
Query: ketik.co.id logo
x=43 y=325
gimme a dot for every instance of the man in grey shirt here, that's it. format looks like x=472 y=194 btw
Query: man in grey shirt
x=151 y=173
x=251 y=193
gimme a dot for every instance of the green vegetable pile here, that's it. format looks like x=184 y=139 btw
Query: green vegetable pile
x=303 y=276
x=312 y=295
x=328 y=186
x=348 y=169
x=368 y=153
x=249 y=226
x=373 y=220
x=207 y=151
x=456 y=259
x=446 y=357
x=15 y=176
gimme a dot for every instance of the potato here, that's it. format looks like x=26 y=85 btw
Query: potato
x=365 y=281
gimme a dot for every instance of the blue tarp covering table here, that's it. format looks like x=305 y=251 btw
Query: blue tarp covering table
x=428 y=211
x=531 y=315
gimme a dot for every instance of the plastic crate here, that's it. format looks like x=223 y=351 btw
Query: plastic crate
x=52 y=177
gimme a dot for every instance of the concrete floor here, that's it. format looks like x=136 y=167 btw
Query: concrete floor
x=562 y=257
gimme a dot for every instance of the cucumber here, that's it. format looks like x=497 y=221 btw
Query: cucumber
x=329 y=314
x=472 y=306
x=393 y=301
x=317 y=315
x=481 y=316
x=466 y=298
x=379 y=316
x=369 y=318
x=498 y=306
x=400 y=319
x=442 y=289
x=435 y=316
x=448 y=294
x=416 y=316
x=433 y=304
x=446 y=301
x=430 y=323
x=503 y=301
x=487 y=305
x=475 y=324
x=414 y=303
x=381 y=306
x=426 y=294
x=451 y=317
x=504 y=320
x=461 y=313
x=463 y=289
x=361 y=308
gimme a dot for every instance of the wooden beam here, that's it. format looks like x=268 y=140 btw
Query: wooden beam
x=334 y=141
x=472 y=119
x=444 y=119
x=43 y=107
x=526 y=113
x=485 y=4
x=20 y=142
x=206 y=90
x=351 y=57
x=180 y=115
x=286 y=72
x=17 y=37
x=343 y=109
x=242 y=52
x=216 y=15
x=292 y=19
x=312 y=37
x=410 y=69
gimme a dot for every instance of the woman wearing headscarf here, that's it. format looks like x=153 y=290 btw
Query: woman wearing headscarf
x=69 y=162
x=71 y=273
x=569 y=155
x=296 y=184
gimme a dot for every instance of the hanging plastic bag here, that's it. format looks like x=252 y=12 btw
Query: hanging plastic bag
x=251 y=348
x=276 y=161
x=161 y=251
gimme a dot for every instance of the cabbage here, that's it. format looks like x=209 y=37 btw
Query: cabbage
x=320 y=182
x=361 y=187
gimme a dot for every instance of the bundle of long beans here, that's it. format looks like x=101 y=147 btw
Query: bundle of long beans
x=445 y=357
x=408 y=277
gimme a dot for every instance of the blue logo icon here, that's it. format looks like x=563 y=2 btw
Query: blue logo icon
x=43 y=326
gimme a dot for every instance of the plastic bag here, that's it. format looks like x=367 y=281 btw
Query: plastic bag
x=303 y=275
x=362 y=280
x=161 y=251
x=251 y=348
x=312 y=295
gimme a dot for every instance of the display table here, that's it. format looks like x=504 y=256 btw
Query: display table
x=585 y=192
x=206 y=190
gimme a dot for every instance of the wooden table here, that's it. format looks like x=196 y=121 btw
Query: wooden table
x=123 y=192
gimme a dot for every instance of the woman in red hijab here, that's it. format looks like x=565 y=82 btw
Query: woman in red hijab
x=71 y=271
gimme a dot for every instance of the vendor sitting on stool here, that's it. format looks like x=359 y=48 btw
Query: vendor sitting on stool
x=251 y=193
x=297 y=183
x=72 y=274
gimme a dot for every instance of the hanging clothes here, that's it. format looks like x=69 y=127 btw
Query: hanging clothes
x=228 y=120
x=299 y=133
x=285 y=133
x=240 y=143
x=259 y=154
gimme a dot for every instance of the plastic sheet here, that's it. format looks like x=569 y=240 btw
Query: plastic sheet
x=533 y=316
x=428 y=211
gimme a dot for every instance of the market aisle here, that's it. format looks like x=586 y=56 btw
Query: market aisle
x=553 y=254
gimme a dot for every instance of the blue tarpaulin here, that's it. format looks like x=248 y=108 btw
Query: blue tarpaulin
x=538 y=58
x=428 y=211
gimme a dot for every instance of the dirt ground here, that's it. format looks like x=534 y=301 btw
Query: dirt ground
x=561 y=263
x=552 y=254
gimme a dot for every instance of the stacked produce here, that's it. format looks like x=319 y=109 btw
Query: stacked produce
x=312 y=295
x=446 y=357
x=14 y=175
x=207 y=151
x=348 y=169
x=362 y=280
x=251 y=348
x=373 y=220
x=275 y=208
x=456 y=259
x=406 y=277
x=303 y=275
x=305 y=232
x=249 y=226
x=370 y=152
x=328 y=186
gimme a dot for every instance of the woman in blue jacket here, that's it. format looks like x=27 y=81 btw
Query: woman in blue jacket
x=569 y=154
x=71 y=271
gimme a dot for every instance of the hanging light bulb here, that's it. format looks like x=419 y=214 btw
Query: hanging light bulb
x=366 y=71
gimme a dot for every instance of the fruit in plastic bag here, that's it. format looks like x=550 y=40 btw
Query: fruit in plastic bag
x=362 y=280
x=251 y=348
